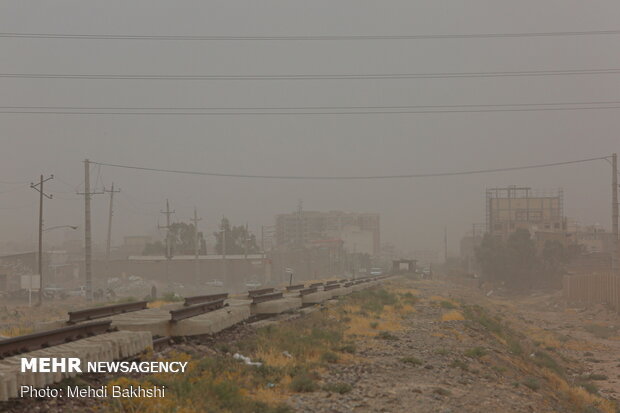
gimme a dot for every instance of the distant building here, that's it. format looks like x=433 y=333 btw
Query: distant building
x=135 y=244
x=359 y=232
x=511 y=208
x=594 y=239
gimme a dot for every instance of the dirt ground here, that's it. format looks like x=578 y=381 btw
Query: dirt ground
x=594 y=332
x=449 y=378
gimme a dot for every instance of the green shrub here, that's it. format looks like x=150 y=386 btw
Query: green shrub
x=588 y=386
x=479 y=315
x=460 y=364
x=514 y=346
x=542 y=359
x=340 y=387
x=348 y=348
x=442 y=392
x=475 y=352
x=373 y=300
x=384 y=335
x=447 y=305
x=303 y=383
x=411 y=360
x=531 y=383
x=409 y=298
x=329 y=357
x=595 y=376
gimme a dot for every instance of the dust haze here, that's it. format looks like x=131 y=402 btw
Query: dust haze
x=440 y=179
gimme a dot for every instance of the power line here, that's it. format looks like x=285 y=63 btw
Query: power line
x=345 y=76
x=325 y=107
x=367 y=177
x=312 y=110
x=108 y=36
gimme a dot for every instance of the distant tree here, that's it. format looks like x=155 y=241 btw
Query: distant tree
x=238 y=239
x=522 y=260
x=182 y=241
x=491 y=257
x=555 y=257
x=513 y=262
x=154 y=248
x=517 y=262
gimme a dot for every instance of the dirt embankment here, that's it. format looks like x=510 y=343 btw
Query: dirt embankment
x=409 y=346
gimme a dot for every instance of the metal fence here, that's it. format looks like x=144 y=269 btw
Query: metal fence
x=592 y=289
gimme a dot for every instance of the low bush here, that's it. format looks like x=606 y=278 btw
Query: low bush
x=340 y=387
x=414 y=361
x=475 y=352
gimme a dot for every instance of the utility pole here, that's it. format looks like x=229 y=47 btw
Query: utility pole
x=109 y=240
x=196 y=247
x=445 y=244
x=167 y=212
x=262 y=240
x=246 y=239
x=614 y=213
x=87 y=231
x=223 y=231
x=300 y=225
x=39 y=187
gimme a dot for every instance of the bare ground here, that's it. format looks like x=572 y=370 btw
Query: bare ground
x=450 y=380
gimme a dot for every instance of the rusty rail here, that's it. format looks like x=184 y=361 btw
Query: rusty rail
x=194 y=310
x=331 y=287
x=263 y=291
x=204 y=298
x=316 y=285
x=266 y=297
x=307 y=291
x=294 y=287
x=332 y=282
x=30 y=342
x=108 y=310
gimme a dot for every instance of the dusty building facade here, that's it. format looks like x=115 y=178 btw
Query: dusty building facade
x=359 y=232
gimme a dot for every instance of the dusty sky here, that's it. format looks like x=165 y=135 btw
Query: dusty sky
x=413 y=212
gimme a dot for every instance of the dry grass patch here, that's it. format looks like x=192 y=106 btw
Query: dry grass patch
x=453 y=315
x=15 y=331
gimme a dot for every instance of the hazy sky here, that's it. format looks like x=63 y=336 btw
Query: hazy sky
x=413 y=212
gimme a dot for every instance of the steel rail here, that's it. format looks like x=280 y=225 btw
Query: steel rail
x=194 y=310
x=30 y=342
x=109 y=310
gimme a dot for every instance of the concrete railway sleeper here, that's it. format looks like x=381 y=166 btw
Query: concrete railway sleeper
x=93 y=341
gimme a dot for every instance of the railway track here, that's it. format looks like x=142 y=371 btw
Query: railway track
x=109 y=340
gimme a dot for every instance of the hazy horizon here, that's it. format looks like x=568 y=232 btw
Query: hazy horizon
x=413 y=211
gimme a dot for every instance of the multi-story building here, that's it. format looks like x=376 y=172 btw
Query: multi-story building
x=511 y=208
x=360 y=232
